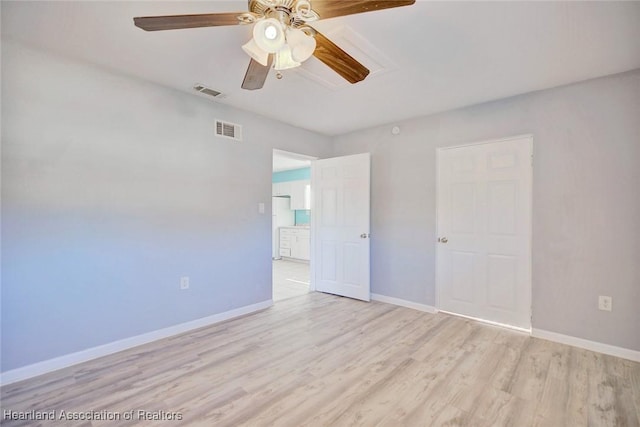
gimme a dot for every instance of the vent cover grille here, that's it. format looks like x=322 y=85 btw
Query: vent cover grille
x=207 y=91
x=228 y=130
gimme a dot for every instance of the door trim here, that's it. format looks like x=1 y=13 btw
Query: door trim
x=438 y=286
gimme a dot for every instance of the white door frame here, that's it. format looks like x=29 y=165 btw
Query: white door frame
x=438 y=287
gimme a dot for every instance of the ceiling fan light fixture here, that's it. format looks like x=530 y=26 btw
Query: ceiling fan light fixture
x=284 y=61
x=269 y=35
x=252 y=49
x=270 y=32
x=269 y=42
x=302 y=45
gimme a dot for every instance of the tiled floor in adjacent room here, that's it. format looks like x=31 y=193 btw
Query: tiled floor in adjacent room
x=290 y=279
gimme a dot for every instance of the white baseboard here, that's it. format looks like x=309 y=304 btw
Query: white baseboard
x=611 y=350
x=67 y=360
x=598 y=347
x=404 y=303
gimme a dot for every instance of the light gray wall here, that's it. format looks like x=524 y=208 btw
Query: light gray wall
x=586 y=201
x=112 y=189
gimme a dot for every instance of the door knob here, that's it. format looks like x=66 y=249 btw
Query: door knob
x=443 y=239
x=364 y=235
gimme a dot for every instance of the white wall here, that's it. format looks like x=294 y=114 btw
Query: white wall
x=112 y=189
x=586 y=201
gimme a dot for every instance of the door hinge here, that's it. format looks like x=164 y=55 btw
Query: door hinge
x=532 y=160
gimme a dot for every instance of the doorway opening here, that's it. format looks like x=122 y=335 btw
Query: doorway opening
x=291 y=224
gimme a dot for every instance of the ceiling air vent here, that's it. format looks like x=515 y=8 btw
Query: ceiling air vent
x=228 y=130
x=207 y=91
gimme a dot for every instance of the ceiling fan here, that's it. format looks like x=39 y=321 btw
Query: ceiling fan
x=282 y=36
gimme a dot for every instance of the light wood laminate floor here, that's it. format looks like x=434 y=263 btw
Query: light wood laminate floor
x=290 y=279
x=321 y=360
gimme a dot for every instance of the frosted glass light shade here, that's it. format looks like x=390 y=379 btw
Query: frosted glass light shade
x=302 y=45
x=268 y=35
x=252 y=49
x=283 y=60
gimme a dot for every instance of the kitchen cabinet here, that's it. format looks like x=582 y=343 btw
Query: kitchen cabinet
x=302 y=246
x=281 y=216
x=282 y=188
x=295 y=243
x=300 y=194
x=299 y=191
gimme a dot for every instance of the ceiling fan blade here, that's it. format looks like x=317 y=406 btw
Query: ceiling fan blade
x=332 y=8
x=176 y=22
x=256 y=74
x=339 y=60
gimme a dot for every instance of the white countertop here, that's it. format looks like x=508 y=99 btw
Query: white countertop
x=305 y=227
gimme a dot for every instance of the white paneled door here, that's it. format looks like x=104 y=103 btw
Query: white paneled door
x=340 y=224
x=484 y=231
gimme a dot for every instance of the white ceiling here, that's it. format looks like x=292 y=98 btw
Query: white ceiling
x=434 y=56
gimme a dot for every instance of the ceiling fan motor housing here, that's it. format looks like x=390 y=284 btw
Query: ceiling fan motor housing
x=291 y=13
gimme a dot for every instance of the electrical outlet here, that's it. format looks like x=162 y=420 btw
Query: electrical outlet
x=261 y=208
x=184 y=282
x=604 y=303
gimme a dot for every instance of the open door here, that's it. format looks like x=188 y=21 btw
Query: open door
x=340 y=225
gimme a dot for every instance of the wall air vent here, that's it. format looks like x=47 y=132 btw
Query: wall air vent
x=207 y=91
x=228 y=130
